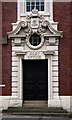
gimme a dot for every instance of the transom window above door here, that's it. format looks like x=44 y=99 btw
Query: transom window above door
x=31 y=4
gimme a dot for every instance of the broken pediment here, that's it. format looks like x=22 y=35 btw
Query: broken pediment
x=19 y=30
x=35 y=23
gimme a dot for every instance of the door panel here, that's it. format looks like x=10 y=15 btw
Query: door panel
x=35 y=79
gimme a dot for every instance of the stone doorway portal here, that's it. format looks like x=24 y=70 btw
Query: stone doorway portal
x=35 y=81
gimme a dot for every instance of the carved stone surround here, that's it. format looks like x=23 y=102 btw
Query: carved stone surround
x=34 y=23
x=46 y=49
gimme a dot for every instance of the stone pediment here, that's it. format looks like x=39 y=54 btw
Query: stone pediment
x=23 y=29
x=34 y=23
x=19 y=31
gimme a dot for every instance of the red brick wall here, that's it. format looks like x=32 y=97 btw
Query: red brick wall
x=9 y=11
x=62 y=15
x=0 y=45
x=71 y=50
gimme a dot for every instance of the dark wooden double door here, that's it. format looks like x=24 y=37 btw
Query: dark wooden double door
x=35 y=80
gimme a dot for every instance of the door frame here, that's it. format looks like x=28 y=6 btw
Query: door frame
x=20 y=90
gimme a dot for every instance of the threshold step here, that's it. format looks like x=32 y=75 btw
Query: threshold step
x=38 y=110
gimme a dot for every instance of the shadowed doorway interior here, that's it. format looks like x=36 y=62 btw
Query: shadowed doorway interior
x=35 y=80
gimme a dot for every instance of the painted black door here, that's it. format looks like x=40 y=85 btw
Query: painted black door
x=35 y=77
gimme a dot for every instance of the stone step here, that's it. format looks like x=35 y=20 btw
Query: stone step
x=47 y=111
x=33 y=109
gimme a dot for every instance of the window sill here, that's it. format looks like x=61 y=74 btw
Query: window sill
x=40 y=12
